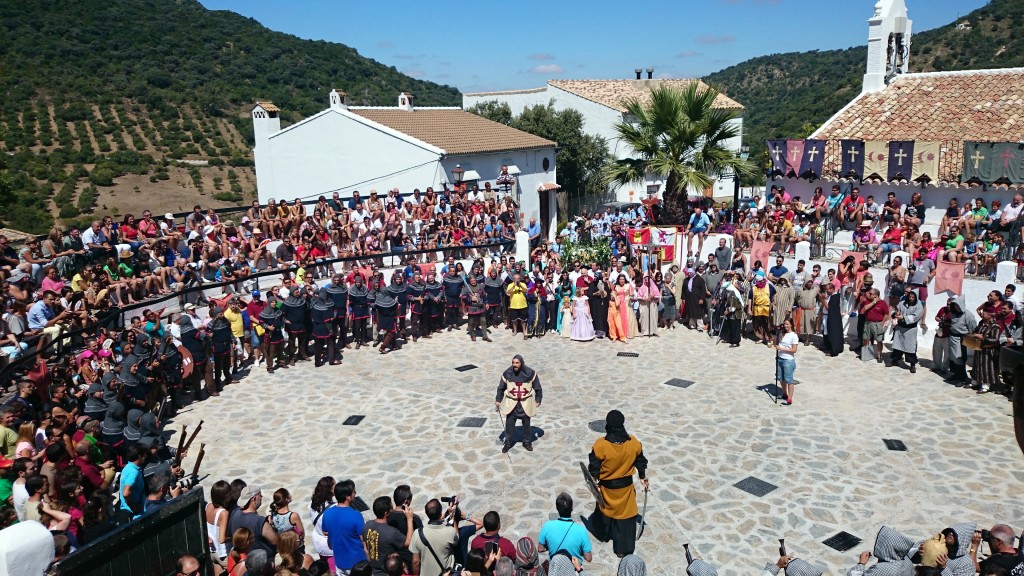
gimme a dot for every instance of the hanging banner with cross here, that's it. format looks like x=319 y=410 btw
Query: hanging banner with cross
x=794 y=155
x=777 y=152
x=853 y=158
x=926 y=161
x=814 y=157
x=901 y=160
x=876 y=159
x=1008 y=162
x=978 y=162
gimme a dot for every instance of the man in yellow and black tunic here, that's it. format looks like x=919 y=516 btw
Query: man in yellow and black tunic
x=613 y=460
x=519 y=395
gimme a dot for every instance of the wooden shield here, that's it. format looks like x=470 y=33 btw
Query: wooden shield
x=186 y=362
x=592 y=486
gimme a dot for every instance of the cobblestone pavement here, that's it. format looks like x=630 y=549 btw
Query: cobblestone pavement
x=825 y=453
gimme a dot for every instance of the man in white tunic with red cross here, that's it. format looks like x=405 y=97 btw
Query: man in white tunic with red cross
x=519 y=396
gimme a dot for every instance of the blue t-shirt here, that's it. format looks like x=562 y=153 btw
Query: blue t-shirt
x=778 y=271
x=699 y=225
x=564 y=534
x=534 y=230
x=131 y=475
x=344 y=528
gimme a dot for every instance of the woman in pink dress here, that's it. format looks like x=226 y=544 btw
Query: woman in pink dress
x=582 y=323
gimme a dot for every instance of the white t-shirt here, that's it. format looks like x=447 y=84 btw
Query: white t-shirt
x=20 y=497
x=790 y=340
x=1010 y=212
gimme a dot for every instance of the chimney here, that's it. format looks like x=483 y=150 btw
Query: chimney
x=339 y=99
x=405 y=101
x=650 y=73
x=638 y=72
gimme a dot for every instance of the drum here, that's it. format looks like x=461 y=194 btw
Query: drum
x=973 y=341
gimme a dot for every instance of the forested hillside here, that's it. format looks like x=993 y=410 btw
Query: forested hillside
x=106 y=106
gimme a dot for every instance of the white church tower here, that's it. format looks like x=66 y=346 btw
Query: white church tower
x=888 y=44
x=266 y=120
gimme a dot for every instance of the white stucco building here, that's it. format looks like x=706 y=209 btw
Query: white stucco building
x=601 y=103
x=346 y=148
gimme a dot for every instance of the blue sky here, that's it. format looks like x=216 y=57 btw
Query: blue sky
x=484 y=45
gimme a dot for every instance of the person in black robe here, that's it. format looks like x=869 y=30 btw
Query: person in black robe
x=453 y=283
x=322 y=319
x=359 y=310
x=296 y=312
x=494 y=291
x=833 y=323
x=434 y=303
x=399 y=291
x=339 y=296
x=416 y=298
x=598 y=293
x=195 y=341
x=273 y=335
x=386 y=307
x=695 y=295
x=221 y=340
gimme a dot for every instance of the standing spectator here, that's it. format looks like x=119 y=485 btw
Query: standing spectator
x=785 y=364
x=433 y=547
x=381 y=539
x=343 y=528
x=492 y=526
x=246 y=515
x=563 y=534
x=132 y=489
x=875 y=311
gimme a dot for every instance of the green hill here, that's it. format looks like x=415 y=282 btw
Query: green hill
x=790 y=95
x=100 y=101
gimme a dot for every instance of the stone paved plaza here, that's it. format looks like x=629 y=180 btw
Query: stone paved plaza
x=825 y=453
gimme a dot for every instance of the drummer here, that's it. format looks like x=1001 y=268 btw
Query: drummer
x=613 y=460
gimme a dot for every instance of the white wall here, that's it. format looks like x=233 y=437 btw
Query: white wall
x=532 y=174
x=598 y=120
x=333 y=151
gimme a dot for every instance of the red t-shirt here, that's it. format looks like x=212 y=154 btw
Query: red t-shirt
x=878 y=312
x=859 y=201
x=508 y=549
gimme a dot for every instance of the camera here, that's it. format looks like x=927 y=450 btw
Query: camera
x=448 y=499
x=985 y=535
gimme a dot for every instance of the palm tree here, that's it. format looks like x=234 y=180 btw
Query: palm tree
x=679 y=135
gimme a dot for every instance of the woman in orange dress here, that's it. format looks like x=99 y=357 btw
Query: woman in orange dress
x=615 y=331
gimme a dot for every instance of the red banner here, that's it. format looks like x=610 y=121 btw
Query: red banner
x=427 y=269
x=949 y=276
x=664 y=239
x=761 y=251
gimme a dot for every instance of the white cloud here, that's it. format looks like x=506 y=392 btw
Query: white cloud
x=385 y=44
x=689 y=54
x=541 y=56
x=415 y=73
x=547 y=69
x=713 y=39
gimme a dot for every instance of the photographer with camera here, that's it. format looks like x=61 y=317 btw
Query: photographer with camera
x=1004 y=556
x=433 y=546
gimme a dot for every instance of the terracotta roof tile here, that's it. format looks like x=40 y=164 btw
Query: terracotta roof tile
x=268 y=105
x=947 y=107
x=612 y=93
x=454 y=130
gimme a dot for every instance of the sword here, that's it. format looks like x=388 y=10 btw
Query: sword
x=643 y=518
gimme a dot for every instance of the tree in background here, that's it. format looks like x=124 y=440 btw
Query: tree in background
x=681 y=137
x=581 y=157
